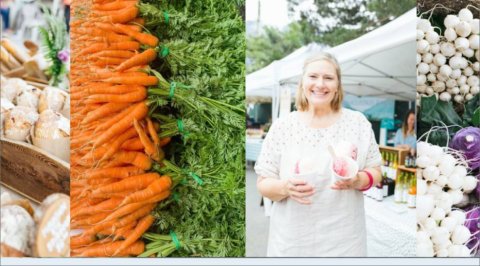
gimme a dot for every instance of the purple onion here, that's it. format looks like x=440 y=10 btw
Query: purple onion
x=472 y=222
x=467 y=140
x=63 y=55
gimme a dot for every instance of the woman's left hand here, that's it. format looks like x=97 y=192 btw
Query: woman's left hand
x=352 y=183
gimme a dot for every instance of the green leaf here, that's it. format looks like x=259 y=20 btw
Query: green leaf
x=435 y=112
x=476 y=117
x=471 y=107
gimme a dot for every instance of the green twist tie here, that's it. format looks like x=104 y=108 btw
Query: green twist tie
x=167 y=18
x=173 y=85
x=164 y=52
x=181 y=129
x=195 y=177
x=175 y=240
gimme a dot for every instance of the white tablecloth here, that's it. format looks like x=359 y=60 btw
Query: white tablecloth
x=391 y=228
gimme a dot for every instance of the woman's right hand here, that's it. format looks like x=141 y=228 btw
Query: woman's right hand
x=298 y=190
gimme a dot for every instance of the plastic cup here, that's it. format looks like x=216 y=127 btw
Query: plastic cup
x=309 y=177
x=351 y=166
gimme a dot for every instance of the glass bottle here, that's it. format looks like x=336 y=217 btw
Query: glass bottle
x=398 y=193
x=412 y=193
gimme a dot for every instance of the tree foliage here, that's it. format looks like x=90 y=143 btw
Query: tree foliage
x=328 y=22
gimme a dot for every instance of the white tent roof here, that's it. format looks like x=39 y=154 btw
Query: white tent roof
x=380 y=63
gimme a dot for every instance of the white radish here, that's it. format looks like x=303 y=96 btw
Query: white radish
x=429 y=91
x=456 y=195
x=428 y=58
x=444 y=200
x=442 y=78
x=462 y=80
x=433 y=68
x=442 y=253
x=450 y=223
x=476 y=66
x=475 y=24
x=459 y=216
x=450 y=21
x=445 y=70
x=460 y=170
x=468 y=52
x=456 y=73
x=424 y=250
x=436 y=154
x=458 y=98
x=447 y=49
x=435 y=48
x=442 y=180
x=463 y=29
x=460 y=235
x=451 y=83
x=424 y=161
x=438 y=214
x=421 y=79
x=421 y=187
x=473 y=81
x=440 y=235
x=432 y=37
x=425 y=204
x=455 y=90
x=469 y=184
x=450 y=34
x=456 y=62
x=420 y=34
x=423 y=148
x=445 y=96
x=468 y=72
x=419 y=58
x=439 y=59
x=423 y=46
x=475 y=90
x=455 y=181
x=468 y=97
x=431 y=173
x=424 y=25
x=423 y=68
x=421 y=88
x=462 y=44
x=474 y=41
x=431 y=77
x=434 y=189
x=465 y=15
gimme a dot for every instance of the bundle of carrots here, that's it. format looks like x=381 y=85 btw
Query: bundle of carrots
x=113 y=142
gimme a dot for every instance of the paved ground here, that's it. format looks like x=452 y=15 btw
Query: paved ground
x=257 y=222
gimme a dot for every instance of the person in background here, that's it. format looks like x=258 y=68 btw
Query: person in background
x=5 y=11
x=67 y=13
x=405 y=138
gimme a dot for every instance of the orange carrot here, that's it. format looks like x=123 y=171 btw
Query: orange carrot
x=141 y=228
x=143 y=58
x=115 y=172
x=137 y=159
x=141 y=80
x=143 y=38
x=139 y=112
x=110 y=249
x=156 y=187
x=131 y=183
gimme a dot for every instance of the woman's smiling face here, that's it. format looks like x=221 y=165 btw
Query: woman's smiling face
x=320 y=83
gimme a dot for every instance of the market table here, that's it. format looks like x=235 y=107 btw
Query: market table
x=390 y=228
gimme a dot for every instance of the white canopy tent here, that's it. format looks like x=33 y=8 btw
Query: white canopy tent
x=380 y=63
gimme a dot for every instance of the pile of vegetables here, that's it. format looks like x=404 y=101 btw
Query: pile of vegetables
x=448 y=63
x=157 y=129
x=113 y=142
x=448 y=120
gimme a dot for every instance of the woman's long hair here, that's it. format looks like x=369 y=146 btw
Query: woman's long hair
x=405 y=124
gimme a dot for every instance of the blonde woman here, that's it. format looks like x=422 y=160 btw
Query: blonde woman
x=317 y=217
